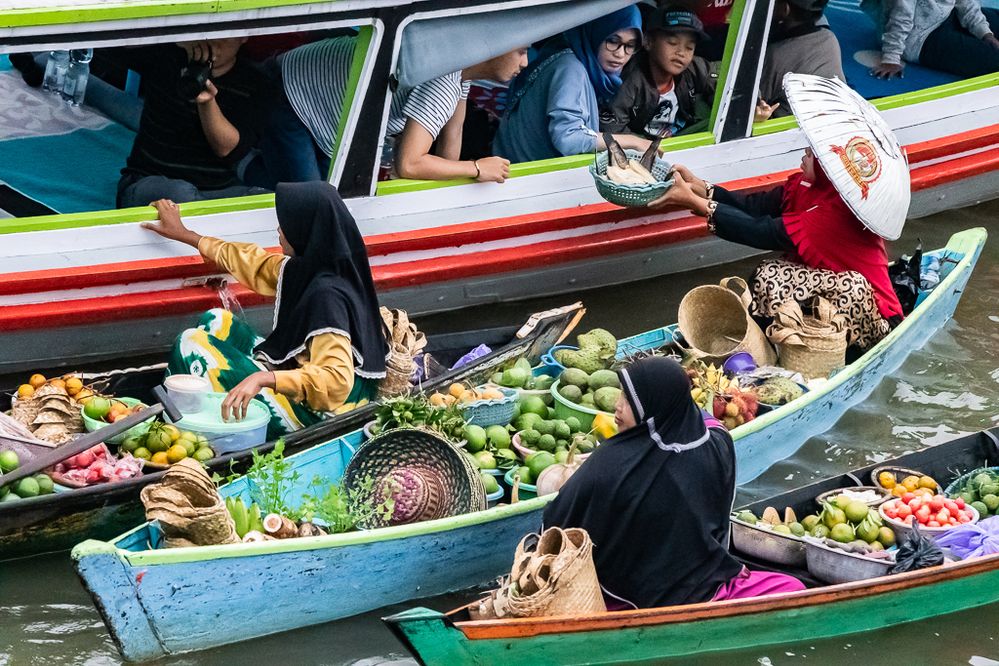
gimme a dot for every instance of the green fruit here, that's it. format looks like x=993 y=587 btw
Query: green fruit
x=561 y=455
x=515 y=377
x=45 y=485
x=832 y=516
x=868 y=531
x=574 y=377
x=602 y=378
x=498 y=436
x=562 y=430
x=820 y=531
x=524 y=365
x=489 y=482
x=524 y=472
x=496 y=378
x=746 y=517
x=505 y=458
x=781 y=529
x=988 y=489
x=875 y=546
x=203 y=454
x=189 y=447
x=551 y=412
x=9 y=497
x=142 y=452
x=571 y=393
x=980 y=480
x=8 y=461
x=97 y=408
x=574 y=424
x=131 y=443
x=886 y=537
x=991 y=501
x=841 y=501
x=842 y=532
x=475 y=438
x=587 y=401
x=538 y=462
x=485 y=459
x=533 y=404
x=856 y=511
x=471 y=458
x=529 y=438
x=545 y=427
x=968 y=497
x=543 y=382
x=606 y=398
x=810 y=522
x=547 y=443
x=528 y=420
x=27 y=487
x=980 y=507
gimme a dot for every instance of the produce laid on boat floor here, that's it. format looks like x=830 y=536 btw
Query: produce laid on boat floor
x=29 y=486
x=96 y=465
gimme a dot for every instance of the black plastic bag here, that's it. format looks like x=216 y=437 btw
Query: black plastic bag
x=904 y=274
x=917 y=552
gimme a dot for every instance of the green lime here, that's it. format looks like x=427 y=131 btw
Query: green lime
x=8 y=461
x=475 y=436
x=203 y=454
x=45 y=485
x=842 y=532
x=525 y=475
x=489 y=482
x=27 y=487
x=142 y=452
x=498 y=436
x=485 y=460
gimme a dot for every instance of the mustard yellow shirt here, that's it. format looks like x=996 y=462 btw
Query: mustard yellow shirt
x=325 y=376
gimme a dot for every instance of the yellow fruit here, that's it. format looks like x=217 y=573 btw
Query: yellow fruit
x=887 y=480
x=74 y=385
x=57 y=383
x=83 y=395
x=899 y=490
x=25 y=391
x=172 y=431
x=911 y=482
x=437 y=400
x=176 y=453
x=37 y=380
x=160 y=458
x=927 y=482
x=158 y=441
x=468 y=396
x=456 y=389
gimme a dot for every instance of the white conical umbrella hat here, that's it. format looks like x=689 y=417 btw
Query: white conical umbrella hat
x=856 y=148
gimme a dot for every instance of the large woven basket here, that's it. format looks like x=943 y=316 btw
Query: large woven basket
x=813 y=345
x=715 y=322
x=630 y=195
x=556 y=577
x=425 y=475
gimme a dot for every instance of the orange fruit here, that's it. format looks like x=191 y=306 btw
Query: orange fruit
x=927 y=482
x=57 y=383
x=25 y=391
x=887 y=480
x=899 y=490
x=160 y=458
x=74 y=385
x=437 y=400
x=176 y=453
x=456 y=389
x=37 y=380
x=83 y=395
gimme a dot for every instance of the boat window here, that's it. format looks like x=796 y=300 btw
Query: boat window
x=488 y=101
x=857 y=30
x=72 y=144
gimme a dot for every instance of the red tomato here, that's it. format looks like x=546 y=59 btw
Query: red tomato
x=904 y=511
x=923 y=513
x=933 y=523
x=943 y=514
x=908 y=520
x=959 y=502
x=891 y=512
x=952 y=506
x=936 y=503
x=908 y=497
x=84 y=459
x=964 y=518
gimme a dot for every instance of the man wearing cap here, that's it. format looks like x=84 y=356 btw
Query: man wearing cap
x=799 y=43
x=666 y=89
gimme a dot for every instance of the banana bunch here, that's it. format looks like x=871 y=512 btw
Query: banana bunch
x=245 y=519
x=708 y=381
x=633 y=174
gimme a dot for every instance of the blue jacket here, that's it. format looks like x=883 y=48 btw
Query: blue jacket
x=555 y=115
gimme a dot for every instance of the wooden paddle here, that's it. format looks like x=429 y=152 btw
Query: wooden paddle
x=81 y=444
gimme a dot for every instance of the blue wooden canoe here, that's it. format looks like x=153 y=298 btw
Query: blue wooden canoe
x=157 y=602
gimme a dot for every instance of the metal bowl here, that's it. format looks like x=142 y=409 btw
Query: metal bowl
x=829 y=494
x=833 y=565
x=768 y=545
x=902 y=531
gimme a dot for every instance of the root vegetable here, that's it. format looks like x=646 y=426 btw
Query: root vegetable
x=279 y=526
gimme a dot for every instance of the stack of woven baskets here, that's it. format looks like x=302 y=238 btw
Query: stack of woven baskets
x=814 y=345
x=189 y=509
x=405 y=342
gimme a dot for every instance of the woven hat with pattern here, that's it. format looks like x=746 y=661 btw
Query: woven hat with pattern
x=425 y=475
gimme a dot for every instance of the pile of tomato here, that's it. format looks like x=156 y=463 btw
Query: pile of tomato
x=928 y=511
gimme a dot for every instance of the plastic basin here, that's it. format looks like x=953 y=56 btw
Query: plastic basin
x=228 y=436
x=525 y=490
x=564 y=409
x=187 y=392
x=91 y=425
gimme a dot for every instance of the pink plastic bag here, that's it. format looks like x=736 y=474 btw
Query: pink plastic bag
x=972 y=539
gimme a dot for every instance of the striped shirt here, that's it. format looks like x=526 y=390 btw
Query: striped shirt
x=315 y=80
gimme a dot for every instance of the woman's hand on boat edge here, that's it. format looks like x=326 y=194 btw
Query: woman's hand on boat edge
x=169 y=225
x=683 y=195
x=238 y=399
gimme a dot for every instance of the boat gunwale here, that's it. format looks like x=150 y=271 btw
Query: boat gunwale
x=527 y=627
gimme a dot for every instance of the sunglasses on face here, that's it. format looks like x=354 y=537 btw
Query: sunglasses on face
x=614 y=44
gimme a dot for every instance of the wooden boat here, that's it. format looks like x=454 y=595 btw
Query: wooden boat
x=283 y=585
x=91 y=284
x=59 y=521
x=652 y=635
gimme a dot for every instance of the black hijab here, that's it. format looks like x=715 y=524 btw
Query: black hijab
x=656 y=498
x=327 y=286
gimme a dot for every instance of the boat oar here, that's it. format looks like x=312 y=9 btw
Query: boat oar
x=81 y=444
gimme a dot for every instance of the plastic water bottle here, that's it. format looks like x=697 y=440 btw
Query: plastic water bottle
x=55 y=71
x=75 y=86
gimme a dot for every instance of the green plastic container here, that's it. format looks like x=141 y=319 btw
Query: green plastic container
x=91 y=425
x=564 y=409
x=228 y=436
x=525 y=491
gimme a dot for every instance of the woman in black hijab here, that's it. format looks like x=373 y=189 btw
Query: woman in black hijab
x=656 y=498
x=327 y=348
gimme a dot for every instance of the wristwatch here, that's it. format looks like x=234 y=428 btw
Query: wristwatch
x=711 y=208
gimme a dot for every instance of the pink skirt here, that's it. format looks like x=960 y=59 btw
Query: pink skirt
x=757 y=584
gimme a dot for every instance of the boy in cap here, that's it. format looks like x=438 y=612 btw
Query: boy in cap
x=800 y=43
x=666 y=89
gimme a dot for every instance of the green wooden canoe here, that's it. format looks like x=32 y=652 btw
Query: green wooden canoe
x=822 y=611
